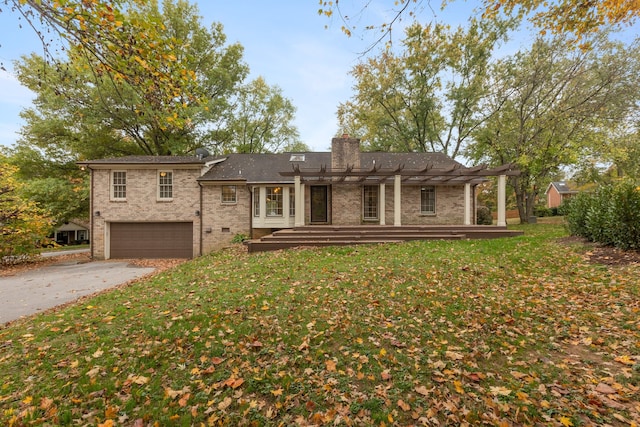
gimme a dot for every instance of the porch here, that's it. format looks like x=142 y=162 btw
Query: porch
x=332 y=235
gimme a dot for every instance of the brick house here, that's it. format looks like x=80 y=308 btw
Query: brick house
x=558 y=192
x=183 y=206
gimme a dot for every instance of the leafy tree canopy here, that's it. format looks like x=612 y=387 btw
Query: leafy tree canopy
x=576 y=17
x=428 y=96
x=553 y=106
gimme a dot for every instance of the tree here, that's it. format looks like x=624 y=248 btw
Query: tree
x=261 y=120
x=115 y=38
x=580 y=18
x=94 y=114
x=53 y=182
x=552 y=104
x=428 y=97
x=22 y=223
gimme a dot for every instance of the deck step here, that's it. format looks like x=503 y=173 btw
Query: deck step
x=329 y=235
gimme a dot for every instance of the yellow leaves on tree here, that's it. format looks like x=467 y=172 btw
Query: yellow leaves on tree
x=22 y=223
x=570 y=16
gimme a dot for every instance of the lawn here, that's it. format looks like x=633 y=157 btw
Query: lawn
x=515 y=331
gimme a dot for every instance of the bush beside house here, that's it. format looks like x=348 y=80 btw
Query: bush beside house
x=609 y=216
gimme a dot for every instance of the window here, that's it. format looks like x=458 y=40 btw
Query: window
x=274 y=201
x=165 y=185
x=119 y=185
x=229 y=194
x=428 y=200
x=292 y=202
x=256 y=201
x=370 y=202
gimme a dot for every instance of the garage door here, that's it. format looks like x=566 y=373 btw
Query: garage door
x=152 y=240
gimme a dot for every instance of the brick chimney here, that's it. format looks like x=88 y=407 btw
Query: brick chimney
x=345 y=151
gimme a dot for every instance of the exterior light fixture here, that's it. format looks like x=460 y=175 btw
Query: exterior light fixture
x=197 y=213
x=97 y=213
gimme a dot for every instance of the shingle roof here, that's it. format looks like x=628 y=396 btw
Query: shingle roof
x=134 y=160
x=563 y=187
x=267 y=167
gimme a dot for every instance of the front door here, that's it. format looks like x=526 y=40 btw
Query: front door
x=319 y=203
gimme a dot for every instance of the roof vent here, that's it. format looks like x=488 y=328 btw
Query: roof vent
x=297 y=158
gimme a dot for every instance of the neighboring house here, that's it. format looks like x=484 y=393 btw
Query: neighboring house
x=557 y=192
x=170 y=206
x=72 y=232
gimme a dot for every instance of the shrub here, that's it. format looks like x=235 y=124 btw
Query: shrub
x=610 y=216
x=483 y=216
x=239 y=238
x=625 y=216
x=575 y=213
x=541 y=211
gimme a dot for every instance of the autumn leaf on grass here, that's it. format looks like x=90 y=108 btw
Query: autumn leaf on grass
x=500 y=391
x=225 y=403
x=138 y=379
x=625 y=360
x=566 y=421
x=454 y=355
x=331 y=365
x=422 y=390
x=403 y=405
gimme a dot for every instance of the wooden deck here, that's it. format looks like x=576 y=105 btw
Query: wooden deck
x=331 y=235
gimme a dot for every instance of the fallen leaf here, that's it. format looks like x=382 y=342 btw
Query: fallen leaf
x=422 y=390
x=500 y=391
x=453 y=355
x=225 y=403
x=404 y=406
x=565 y=421
x=331 y=365
x=605 y=389
x=625 y=360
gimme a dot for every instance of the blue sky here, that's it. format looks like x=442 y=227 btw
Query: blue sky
x=285 y=41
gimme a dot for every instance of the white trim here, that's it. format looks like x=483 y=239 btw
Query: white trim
x=112 y=186
x=158 y=197
x=397 y=201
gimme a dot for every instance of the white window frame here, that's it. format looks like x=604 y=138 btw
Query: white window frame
x=167 y=185
x=368 y=209
x=275 y=207
x=122 y=187
x=423 y=203
x=229 y=201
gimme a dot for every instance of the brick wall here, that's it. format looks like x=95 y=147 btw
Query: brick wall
x=346 y=204
x=142 y=204
x=449 y=206
x=221 y=222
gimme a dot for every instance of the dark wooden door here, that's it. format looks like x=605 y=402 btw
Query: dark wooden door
x=319 y=202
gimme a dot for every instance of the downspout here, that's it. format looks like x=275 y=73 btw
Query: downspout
x=251 y=190
x=201 y=218
x=91 y=214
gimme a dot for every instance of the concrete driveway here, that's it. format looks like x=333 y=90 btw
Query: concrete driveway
x=37 y=290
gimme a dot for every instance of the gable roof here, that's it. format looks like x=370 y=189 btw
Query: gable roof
x=561 y=187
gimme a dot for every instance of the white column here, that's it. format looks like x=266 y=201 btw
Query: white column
x=397 y=202
x=299 y=202
x=467 y=204
x=381 y=204
x=502 y=201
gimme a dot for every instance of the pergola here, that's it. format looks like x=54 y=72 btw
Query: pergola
x=429 y=175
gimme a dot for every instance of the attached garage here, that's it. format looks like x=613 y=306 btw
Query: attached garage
x=151 y=240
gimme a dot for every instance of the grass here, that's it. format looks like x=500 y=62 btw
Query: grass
x=517 y=331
